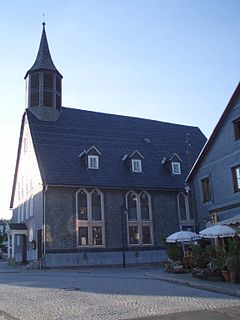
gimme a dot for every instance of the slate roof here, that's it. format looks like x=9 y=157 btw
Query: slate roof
x=44 y=59
x=58 y=145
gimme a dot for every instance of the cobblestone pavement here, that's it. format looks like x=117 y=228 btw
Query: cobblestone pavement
x=98 y=294
x=232 y=313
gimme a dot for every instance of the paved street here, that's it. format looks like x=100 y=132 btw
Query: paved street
x=99 y=294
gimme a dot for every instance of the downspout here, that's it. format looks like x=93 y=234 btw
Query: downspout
x=45 y=187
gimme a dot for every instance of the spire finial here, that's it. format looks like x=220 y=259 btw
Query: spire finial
x=43 y=22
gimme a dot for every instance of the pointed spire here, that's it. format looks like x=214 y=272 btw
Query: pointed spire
x=44 y=85
x=44 y=59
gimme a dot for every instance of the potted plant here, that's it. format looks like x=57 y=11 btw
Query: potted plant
x=225 y=273
x=232 y=264
x=202 y=256
x=221 y=263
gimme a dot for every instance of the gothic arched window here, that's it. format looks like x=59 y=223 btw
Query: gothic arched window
x=182 y=206
x=90 y=222
x=82 y=205
x=132 y=206
x=139 y=218
x=144 y=205
x=185 y=210
x=96 y=205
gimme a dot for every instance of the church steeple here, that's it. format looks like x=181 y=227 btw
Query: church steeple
x=44 y=84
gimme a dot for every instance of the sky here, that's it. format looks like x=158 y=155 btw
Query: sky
x=168 y=60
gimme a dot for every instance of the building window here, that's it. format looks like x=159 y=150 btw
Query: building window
x=236 y=178
x=24 y=210
x=18 y=214
x=27 y=209
x=90 y=218
x=93 y=162
x=31 y=207
x=185 y=211
x=139 y=218
x=206 y=189
x=176 y=168
x=18 y=240
x=182 y=207
x=21 y=213
x=132 y=207
x=97 y=236
x=136 y=165
x=96 y=206
x=83 y=236
x=236 y=127
x=82 y=205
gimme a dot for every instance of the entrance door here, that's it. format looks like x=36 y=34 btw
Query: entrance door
x=39 y=243
x=24 y=249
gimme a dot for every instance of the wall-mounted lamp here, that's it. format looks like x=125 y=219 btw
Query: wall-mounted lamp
x=187 y=188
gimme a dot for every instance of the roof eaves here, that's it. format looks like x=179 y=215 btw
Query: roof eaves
x=35 y=150
x=175 y=154
x=136 y=151
x=17 y=161
x=93 y=147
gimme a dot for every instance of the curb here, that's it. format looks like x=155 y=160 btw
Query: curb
x=231 y=292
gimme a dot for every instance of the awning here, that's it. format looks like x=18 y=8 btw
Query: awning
x=233 y=220
x=17 y=228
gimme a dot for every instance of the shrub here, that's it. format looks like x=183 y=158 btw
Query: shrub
x=173 y=251
x=202 y=255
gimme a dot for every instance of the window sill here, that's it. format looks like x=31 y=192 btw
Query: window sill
x=207 y=202
x=140 y=245
x=91 y=246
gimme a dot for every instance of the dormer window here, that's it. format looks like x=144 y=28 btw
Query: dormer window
x=176 y=168
x=90 y=158
x=133 y=161
x=93 y=162
x=136 y=165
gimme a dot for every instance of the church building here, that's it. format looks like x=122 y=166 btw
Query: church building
x=92 y=188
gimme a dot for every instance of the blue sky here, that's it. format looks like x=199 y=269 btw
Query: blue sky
x=175 y=61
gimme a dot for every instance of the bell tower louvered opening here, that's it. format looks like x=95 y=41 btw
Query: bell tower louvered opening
x=58 y=92
x=34 y=89
x=48 y=89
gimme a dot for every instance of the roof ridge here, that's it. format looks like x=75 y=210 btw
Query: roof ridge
x=131 y=117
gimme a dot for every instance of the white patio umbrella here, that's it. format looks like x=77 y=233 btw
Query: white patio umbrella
x=217 y=231
x=183 y=236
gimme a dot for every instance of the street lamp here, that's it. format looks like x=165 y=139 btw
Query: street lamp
x=189 y=207
x=124 y=212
